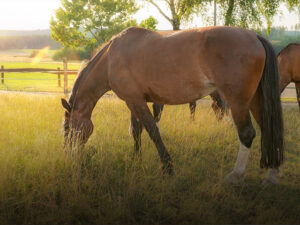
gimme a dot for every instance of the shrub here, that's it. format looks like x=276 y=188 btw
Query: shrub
x=72 y=53
x=34 y=53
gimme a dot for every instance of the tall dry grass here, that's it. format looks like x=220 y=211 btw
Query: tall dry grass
x=41 y=183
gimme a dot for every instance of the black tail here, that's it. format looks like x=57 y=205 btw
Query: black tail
x=272 y=141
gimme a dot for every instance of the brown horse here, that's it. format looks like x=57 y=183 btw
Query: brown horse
x=289 y=67
x=143 y=66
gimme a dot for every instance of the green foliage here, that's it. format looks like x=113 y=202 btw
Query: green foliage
x=181 y=10
x=91 y=22
x=293 y=4
x=268 y=8
x=149 y=23
x=73 y=53
x=248 y=13
x=34 y=53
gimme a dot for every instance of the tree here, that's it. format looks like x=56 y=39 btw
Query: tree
x=248 y=13
x=91 y=22
x=241 y=13
x=149 y=23
x=181 y=10
x=294 y=5
x=268 y=9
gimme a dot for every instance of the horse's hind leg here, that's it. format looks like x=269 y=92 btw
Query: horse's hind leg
x=141 y=111
x=192 y=109
x=246 y=135
x=256 y=111
x=137 y=129
x=297 y=84
x=219 y=105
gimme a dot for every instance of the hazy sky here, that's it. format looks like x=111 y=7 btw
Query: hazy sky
x=35 y=14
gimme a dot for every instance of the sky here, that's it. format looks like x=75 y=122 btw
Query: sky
x=35 y=14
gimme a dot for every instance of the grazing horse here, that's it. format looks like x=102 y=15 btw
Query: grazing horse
x=289 y=67
x=143 y=66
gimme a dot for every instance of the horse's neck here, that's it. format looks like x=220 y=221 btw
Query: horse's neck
x=93 y=87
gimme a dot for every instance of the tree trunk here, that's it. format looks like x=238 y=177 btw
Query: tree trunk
x=176 y=24
x=228 y=16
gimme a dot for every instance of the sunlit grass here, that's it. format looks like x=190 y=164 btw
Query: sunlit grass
x=40 y=183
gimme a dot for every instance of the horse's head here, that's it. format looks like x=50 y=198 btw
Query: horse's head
x=77 y=129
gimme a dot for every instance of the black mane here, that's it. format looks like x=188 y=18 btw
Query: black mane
x=286 y=47
x=82 y=75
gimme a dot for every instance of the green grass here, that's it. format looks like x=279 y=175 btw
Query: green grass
x=40 y=183
x=286 y=99
x=35 y=81
x=45 y=65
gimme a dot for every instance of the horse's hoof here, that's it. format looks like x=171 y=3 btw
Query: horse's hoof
x=271 y=177
x=229 y=120
x=270 y=180
x=233 y=178
x=168 y=170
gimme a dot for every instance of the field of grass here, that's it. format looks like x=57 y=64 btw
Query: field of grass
x=40 y=183
x=42 y=82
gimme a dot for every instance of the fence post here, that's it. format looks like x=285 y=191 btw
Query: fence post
x=65 y=76
x=58 y=76
x=2 y=75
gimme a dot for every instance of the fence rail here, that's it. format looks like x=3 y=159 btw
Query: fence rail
x=65 y=72
x=37 y=70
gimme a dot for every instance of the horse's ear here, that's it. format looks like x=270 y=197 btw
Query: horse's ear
x=66 y=105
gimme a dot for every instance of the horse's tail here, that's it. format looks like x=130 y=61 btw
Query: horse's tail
x=272 y=141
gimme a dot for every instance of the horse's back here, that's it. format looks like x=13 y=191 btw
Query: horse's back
x=185 y=65
x=288 y=60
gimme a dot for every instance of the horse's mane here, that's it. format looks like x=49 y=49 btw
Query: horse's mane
x=82 y=74
x=286 y=47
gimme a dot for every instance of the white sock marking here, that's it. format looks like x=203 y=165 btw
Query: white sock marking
x=272 y=176
x=242 y=159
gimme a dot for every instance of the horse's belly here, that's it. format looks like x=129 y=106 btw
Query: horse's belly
x=181 y=93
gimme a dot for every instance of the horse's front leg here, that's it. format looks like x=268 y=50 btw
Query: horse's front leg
x=141 y=111
x=193 y=110
x=136 y=129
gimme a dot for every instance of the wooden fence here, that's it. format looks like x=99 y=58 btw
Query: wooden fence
x=65 y=72
x=288 y=92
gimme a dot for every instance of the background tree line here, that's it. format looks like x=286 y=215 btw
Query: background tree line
x=28 y=42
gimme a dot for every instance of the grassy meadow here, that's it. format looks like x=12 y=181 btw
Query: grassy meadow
x=41 y=183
